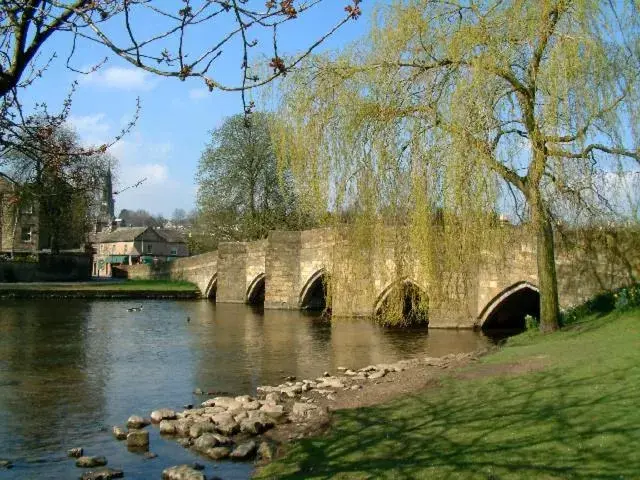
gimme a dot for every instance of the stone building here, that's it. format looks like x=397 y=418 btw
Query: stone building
x=135 y=245
x=19 y=224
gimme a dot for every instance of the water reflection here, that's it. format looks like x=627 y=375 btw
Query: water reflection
x=71 y=369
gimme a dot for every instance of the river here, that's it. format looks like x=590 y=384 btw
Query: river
x=71 y=369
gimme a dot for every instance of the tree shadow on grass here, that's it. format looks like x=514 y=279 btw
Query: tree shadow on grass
x=541 y=425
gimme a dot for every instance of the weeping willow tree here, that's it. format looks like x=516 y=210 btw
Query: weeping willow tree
x=451 y=113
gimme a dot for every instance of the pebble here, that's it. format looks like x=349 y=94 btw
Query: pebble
x=136 y=421
x=90 y=462
x=150 y=455
x=75 y=452
x=244 y=451
x=119 y=432
x=138 y=438
x=182 y=472
x=102 y=474
x=218 y=453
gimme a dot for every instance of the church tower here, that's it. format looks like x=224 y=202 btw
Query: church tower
x=106 y=212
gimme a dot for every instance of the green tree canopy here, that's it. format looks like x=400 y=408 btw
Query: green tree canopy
x=241 y=195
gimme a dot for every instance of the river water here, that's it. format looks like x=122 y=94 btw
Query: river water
x=71 y=369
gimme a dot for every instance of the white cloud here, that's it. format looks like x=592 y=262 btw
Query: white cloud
x=138 y=158
x=90 y=126
x=198 y=93
x=120 y=78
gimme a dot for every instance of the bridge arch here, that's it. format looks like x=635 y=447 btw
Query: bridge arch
x=414 y=300
x=256 y=290
x=506 y=311
x=212 y=287
x=313 y=295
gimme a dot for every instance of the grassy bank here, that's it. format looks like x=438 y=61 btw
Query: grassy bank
x=101 y=289
x=564 y=405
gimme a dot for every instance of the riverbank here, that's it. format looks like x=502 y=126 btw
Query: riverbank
x=553 y=406
x=132 y=289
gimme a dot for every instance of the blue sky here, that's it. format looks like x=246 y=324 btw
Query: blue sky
x=176 y=117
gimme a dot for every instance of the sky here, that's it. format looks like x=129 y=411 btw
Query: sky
x=176 y=116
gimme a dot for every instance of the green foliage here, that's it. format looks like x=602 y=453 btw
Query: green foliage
x=553 y=406
x=531 y=323
x=620 y=299
x=241 y=193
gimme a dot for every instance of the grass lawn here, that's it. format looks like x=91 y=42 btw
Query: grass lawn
x=559 y=406
x=103 y=286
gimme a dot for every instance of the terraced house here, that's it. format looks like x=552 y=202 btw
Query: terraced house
x=134 y=245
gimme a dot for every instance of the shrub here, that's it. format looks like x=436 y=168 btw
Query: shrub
x=620 y=299
x=531 y=323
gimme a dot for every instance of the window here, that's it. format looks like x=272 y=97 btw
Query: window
x=26 y=234
x=174 y=250
x=149 y=248
x=27 y=209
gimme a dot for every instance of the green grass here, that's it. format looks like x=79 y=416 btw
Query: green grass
x=99 y=287
x=576 y=416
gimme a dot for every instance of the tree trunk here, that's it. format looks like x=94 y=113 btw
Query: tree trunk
x=547 y=280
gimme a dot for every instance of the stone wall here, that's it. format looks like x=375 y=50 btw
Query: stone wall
x=48 y=268
x=282 y=268
x=289 y=261
x=199 y=269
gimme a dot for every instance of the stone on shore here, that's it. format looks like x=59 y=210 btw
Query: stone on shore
x=377 y=374
x=301 y=412
x=225 y=424
x=256 y=425
x=75 y=452
x=162 y=414
x=119 y=432
x=183 y=426
x=272 y=397
x=168 y=427
x=182 y=472
x=274 y=411
x=330 y=382
x=217 y=453
x=102 y=474
x=138 y=438
x=244 y=451
x=199 y=428
x=244 y=398
x=136 y=421
x=91 y=462
x=205 y=441
x=265 y=452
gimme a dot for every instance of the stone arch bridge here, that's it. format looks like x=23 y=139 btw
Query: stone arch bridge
x=290 y=270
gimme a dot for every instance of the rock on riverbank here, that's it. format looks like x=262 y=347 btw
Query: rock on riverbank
x=233 y=427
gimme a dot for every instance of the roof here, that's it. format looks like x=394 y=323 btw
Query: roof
x=122 y=234
x=171 y=236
